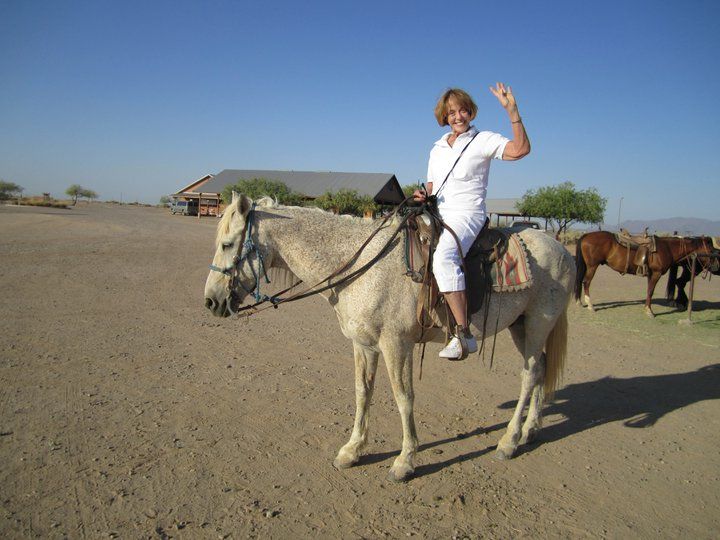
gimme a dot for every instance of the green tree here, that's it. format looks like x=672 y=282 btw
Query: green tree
x=74 y=191
x=260 y=187
x=165 y=200
x=88 y=194
x=563 y=205
x=9 y=189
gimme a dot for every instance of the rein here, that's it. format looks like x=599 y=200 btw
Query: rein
x=250 y=247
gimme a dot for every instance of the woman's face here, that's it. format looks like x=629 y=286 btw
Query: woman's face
x=457 y=116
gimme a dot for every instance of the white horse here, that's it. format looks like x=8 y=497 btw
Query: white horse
x=377 y=311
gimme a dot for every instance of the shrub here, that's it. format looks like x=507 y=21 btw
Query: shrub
x=261 y=187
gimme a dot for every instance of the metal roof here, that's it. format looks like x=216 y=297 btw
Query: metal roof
x=200 y=181
x=308 y=183
x=502 y=206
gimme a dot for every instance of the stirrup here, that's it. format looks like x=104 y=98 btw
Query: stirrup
x=459 y=347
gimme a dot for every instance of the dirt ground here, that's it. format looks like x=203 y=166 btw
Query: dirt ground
x=127 y=411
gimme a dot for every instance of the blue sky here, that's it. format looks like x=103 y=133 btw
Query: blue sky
x=136 y=99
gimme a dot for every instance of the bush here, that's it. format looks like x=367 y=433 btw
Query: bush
x=345 y=201
x=262 y=187
x=367 y=205
x=41 y=201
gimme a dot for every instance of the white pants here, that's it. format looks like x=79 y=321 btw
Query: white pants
x=446 y=260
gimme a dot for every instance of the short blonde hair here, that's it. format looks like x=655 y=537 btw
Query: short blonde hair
x=462 y=97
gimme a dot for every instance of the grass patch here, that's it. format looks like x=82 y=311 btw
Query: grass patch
x=629 y=317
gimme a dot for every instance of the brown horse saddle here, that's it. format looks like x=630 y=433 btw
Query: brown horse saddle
x=496 y=262
x=642 y=244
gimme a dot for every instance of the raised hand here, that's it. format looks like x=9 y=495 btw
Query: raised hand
x=505 y=96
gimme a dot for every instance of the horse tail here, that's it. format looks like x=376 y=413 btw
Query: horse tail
x=555 y=354
x=581 y=269
x=672 y=283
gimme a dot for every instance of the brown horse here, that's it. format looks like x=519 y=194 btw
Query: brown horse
x=678 y=283
x=601 y=247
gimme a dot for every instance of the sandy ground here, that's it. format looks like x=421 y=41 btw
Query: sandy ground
x=127 y=411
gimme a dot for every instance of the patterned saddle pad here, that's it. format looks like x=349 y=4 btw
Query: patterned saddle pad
x=497 y=260
x=511 y=272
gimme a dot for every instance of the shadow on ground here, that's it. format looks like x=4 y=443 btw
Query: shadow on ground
x=638 y=402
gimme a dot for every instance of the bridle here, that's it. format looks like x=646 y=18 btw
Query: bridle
x=248 y=248
x=705 y=265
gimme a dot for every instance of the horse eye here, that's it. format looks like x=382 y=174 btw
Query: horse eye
x=226 y=245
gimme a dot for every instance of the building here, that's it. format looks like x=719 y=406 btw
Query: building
x=208 y=189
x=502 y=208
x=208 y=203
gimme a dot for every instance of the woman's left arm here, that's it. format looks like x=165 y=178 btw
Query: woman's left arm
x=519 y=146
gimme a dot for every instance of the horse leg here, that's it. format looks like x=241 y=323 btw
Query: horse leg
x=681 y=302
x=366 y=360
x=589 y=275
x=533 y=422
x=399 y=363
x=530 y=388
x=653 y=278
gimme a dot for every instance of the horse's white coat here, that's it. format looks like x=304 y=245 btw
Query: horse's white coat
x=377 y=310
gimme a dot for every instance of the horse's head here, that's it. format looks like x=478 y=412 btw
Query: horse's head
x=240 y=260
x=707 y=247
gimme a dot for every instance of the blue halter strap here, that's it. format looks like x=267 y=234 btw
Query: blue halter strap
x=248 y=248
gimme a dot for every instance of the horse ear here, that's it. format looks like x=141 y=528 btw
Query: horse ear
x=244 y=203
x=235 y=197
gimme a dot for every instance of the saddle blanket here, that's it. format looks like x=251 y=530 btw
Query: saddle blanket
x=511 y=271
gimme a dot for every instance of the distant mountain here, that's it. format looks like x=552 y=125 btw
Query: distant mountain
x=683 y=226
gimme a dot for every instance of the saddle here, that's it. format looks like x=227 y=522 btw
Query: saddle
x=643 y=245
x=421 y=236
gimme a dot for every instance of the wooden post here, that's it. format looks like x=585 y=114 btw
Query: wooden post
x=693 y=257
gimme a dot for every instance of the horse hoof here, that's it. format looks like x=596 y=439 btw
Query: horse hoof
x=400 y=474
x=344 y=463
x=504 y=453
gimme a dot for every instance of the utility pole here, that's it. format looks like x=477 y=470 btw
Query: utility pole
x=619 y=212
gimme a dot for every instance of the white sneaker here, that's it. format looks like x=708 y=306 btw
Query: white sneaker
x=459 y=348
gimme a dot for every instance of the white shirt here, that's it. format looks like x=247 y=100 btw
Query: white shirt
x=466 y=187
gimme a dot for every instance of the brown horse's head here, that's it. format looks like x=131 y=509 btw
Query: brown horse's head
x=705 y=247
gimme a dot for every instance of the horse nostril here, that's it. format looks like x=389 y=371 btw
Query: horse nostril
x=209 y=303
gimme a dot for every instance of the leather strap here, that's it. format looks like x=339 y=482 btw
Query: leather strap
x=456 y=162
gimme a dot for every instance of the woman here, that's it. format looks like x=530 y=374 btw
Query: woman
x=458 y=176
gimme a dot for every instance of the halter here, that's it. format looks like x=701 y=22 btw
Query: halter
x=248 y=248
